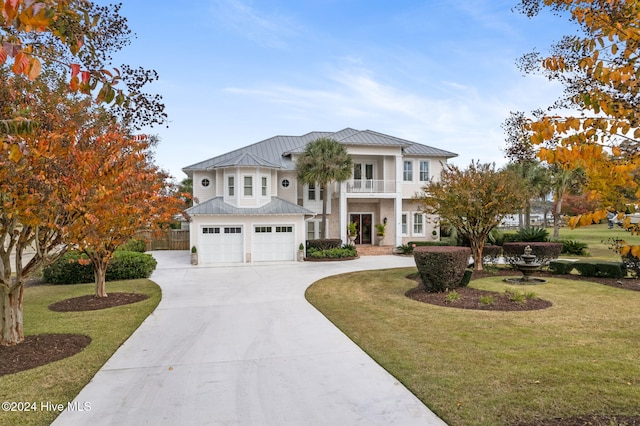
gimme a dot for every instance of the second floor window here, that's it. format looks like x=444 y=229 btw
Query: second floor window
x=231 y=185
x=248 y=186
x=424 y=171
x=264 y=186
x=407 y=174
x=312 y=192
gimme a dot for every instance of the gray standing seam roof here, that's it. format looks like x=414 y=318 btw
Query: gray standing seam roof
x=277 y=206
x=275 y=152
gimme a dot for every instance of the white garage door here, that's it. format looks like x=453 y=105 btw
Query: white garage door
x=220 y=244
x=273 y=242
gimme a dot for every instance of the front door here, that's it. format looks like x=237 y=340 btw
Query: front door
x=364 y=226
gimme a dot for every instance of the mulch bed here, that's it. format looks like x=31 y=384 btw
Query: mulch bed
x=470 y=299
x=40 y=350
x=92 y=303
x=43 y=349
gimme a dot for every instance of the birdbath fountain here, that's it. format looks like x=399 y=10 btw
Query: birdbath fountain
x=527 y=266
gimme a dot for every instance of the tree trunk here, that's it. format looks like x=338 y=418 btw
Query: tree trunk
x=11 y=316
x=100 y=273
x=324 y=211
x=476 y=251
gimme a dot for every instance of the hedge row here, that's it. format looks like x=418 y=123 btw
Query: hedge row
x=324 y=244
x=76 y=268
x=346 y=251
x=586 y=268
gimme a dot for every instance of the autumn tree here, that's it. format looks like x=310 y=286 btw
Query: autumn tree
x=474 y=201
x=598 y=68
x=123 y=192
x=322 y=162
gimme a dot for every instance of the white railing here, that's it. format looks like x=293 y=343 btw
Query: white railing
x=371 y=185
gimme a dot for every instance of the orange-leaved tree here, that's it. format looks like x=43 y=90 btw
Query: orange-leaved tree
x=122 y=193
x=600 y=73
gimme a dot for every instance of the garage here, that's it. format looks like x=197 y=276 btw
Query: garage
x=221 y=244
x=273 y=243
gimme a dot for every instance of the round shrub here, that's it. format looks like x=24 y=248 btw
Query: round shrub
x=441 y=268
x=134 y=244
x=130 y=265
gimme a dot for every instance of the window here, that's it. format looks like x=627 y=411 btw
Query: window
x=407 y=174
x=284 y=228
x=248 y=186
x=405 y=224
x=424 y=171
x=357 y=171
x=231 y=185
x=312 y=192
x=418 y=225
x=233 y=230
x=264 y=186
x=205 y=182
x=313 y=229
x=262 y=229
x=210 y=230
x=285 y=183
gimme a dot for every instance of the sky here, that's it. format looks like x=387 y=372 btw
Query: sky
x=439 y=72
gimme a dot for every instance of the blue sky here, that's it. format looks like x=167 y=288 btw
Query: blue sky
x=438 y=72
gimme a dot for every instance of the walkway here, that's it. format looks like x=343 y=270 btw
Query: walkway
x=240 y=345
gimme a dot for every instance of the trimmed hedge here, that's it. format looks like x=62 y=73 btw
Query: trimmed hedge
x=324 y=244
x=601 y=269
x=441 y=268
x=333 y=253
x=561 y=266
x=544 y=251
x=76 y=268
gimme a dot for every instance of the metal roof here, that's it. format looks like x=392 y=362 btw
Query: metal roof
x=275 y=152
x=277 y=206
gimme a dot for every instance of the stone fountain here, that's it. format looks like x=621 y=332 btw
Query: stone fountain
x=527 y=266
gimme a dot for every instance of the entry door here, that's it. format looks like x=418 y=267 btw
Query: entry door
x=364 y=226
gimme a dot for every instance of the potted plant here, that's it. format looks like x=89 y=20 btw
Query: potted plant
x=194 y=255
x=380 y=229
x=434 y=234
x=352 y=231
x=300 y=252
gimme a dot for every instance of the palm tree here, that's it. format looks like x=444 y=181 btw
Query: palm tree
x=564 y=181
x=322 y=162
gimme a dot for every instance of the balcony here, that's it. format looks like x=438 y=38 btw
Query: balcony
x=370 y=186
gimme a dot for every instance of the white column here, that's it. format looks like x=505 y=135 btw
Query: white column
x=343 y=212
x=398 y=200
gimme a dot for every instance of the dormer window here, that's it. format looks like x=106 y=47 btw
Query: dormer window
x=205 y=182
x=285 y=183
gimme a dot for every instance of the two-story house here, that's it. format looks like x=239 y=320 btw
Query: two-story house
x=249 y=206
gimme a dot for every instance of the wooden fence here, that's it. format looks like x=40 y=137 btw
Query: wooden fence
x=170 y=239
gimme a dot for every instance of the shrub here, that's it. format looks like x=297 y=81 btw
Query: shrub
x=466 y=278
x=544 y=252
x=333 y=253
x=129 y=265
x=452 y=296
x=324 y=244
x=134 y=244
x=496 y=237
x=561 y=266
x=532 y=234
x=404 y=249
x=574 y=247
x=601 y=269
x=72 y=268
x=76 y=268
x=441 y=268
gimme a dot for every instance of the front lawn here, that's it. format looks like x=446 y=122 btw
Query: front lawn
x=59 y=382
x=579 y=357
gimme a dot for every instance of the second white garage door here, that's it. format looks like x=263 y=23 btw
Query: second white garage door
x=271 y=243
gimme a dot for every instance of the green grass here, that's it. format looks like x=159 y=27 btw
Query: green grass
x=61 y=381
x=597 y=237
x=581 y=356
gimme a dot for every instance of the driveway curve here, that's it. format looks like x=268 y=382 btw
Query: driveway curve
x=240 y=345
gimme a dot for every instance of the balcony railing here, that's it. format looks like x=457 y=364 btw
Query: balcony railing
x=370 y=186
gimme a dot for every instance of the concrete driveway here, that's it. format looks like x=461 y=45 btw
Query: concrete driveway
x=240 y=345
